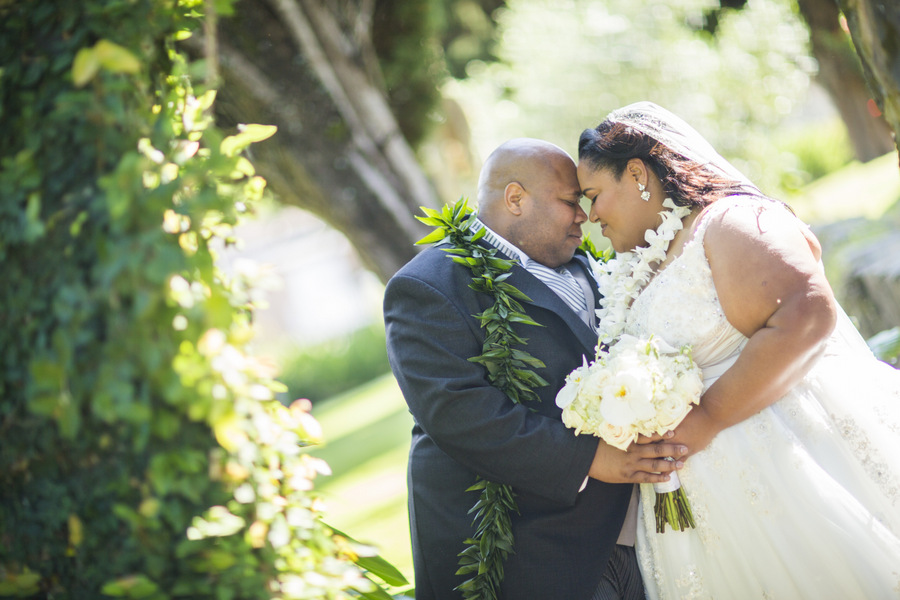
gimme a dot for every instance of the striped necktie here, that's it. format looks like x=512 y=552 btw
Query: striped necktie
x=562 y=282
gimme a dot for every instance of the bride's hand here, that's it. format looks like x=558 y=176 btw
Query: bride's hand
x=652 y=439
x=697 y=430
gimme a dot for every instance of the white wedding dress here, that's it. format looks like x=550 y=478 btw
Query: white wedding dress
x=802 y=500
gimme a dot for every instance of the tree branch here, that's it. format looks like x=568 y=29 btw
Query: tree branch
x=360 y=102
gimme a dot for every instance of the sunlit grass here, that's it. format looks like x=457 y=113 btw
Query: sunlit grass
x=857 y=190
x=367 y=435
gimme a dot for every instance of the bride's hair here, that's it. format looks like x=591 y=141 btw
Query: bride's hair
x=611 y=145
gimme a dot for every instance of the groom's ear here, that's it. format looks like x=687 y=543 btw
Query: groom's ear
x=512 y=197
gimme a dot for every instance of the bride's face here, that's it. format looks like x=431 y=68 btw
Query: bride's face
x=616 y=204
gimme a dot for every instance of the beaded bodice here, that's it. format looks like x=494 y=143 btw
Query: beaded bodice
x=681 y=306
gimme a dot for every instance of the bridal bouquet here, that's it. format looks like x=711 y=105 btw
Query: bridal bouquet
x=636 y=387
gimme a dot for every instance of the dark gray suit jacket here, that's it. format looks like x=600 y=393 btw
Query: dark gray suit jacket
x=466 y=427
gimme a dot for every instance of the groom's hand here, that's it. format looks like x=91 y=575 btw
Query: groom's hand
x=642 y=463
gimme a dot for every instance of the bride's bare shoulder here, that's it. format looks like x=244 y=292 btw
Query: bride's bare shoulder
x=760 y=256
x=732 y=224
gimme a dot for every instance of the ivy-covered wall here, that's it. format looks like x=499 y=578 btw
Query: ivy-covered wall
x=142 y=453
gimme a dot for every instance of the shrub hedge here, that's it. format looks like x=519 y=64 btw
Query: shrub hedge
x=325 y=370
x=142 y=452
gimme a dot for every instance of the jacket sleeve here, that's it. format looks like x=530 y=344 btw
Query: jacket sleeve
x=430 y=338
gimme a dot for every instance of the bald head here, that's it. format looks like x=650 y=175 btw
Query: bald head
x=526 y=161
x=528 y=193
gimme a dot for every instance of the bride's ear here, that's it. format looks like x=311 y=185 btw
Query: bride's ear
x=636 y=170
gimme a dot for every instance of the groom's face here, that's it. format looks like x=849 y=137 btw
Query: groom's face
x=549 y=229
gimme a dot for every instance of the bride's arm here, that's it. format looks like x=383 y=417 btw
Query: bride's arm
x=772 y=290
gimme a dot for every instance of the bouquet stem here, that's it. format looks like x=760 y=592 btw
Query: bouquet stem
x=672 y=506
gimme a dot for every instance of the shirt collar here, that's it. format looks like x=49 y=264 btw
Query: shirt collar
x=500 y=243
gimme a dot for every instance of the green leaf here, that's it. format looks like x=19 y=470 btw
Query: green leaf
x=133 y=586
x=430 y=212
x=20 y=585
x=432 y=221
x=522 y=318
x=85 y=66
x=460 y=208
x=115 y=58
x=527 y=358
x=34 y=226
x=376 y=564
x=377 y=594
x=249 y=134
x=886 y=344
x=381 y=568
x=513 y=291
x=435 y=236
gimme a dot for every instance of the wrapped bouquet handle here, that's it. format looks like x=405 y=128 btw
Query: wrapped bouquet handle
x=672 y=506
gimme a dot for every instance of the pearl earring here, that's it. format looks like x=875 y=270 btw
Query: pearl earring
x=645 y=193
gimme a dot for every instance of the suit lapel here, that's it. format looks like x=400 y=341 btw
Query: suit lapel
x=544 y=297
x=585 y=264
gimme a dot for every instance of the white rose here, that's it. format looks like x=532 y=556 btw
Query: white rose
x=572 y=418
x=671 y=410
x=617 y=437
x=689 y=386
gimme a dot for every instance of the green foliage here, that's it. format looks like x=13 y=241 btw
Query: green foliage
x=469 y=34
x=813 y=151
x=336 y=366
x=564 y=64
x=410 y=38
x=143 y=452
x=886 y=345
x=405 y=35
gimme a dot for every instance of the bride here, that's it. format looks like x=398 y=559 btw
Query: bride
x=794 y=466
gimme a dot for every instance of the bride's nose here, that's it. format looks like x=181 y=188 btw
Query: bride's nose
x=580 y=215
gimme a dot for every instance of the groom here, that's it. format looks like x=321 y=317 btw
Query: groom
x=572 y=492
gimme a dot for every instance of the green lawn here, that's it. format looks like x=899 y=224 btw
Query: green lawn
x=367 y=434
x=858 y=190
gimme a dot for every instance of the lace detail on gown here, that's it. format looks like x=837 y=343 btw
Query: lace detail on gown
x=681 y=305
x=802 y=500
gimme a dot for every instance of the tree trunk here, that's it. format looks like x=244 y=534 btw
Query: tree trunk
x=875 y=29
x=307 y=67
x=840 y=75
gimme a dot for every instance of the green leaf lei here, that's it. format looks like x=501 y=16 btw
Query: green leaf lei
x=508 y=369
